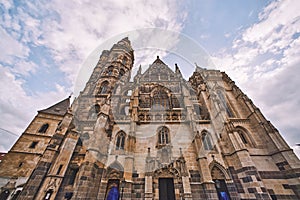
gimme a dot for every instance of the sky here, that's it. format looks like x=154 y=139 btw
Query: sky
x=44 y=44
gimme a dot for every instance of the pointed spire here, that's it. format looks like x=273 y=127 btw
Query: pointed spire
x=180 y=150
x=177 y=70
x=158 y=61
x=139 y=70
x=148 y=152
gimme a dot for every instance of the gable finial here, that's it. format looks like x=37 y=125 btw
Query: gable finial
x=139 y=70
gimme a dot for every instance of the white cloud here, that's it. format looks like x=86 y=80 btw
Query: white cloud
x=69 y=30
x=85 y=25
x=264 y=62
x=11 y=48
x=18 y=108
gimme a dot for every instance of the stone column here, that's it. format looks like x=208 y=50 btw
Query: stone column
x=148 y=188
x=187 y=193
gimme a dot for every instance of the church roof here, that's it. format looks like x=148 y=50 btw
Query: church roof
x=158 y=61
x=59 y=108
x=157 y=67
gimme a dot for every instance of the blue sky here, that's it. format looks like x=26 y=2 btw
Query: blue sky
x=43 y=45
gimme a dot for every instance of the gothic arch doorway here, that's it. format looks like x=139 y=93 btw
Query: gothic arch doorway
x=219 y=177
x=167 y=183
x=166 y=189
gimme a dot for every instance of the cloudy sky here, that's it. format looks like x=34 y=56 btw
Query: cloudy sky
x=43 y=45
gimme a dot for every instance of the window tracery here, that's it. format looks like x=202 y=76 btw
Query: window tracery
x=206 y=141
x=163 y=136
x=110 y=71
x=244 y=136
x=121 y=73
x=120 y=142
x=94 y=111
x=104 y=88
x=225 y=104
x=160 y=100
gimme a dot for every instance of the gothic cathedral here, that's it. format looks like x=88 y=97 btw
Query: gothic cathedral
x=154 y=136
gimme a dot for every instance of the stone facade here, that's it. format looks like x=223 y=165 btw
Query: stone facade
x=156 y=137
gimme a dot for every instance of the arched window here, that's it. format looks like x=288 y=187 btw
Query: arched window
x=124 y=61
x=110 y=71
x=73 y=174
x=206 y=141
x=175 y=102
x=120 y=143
x=197 y=109
x=163 y=136
x=160 y=100
x=44 y=128
x=243 y=137
x=121 y=73
x=225 y=104
x=48 y=194
x=94 y=111
x=103 y=88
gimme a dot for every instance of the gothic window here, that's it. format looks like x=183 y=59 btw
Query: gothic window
x=224 y=103
x=112 y=189
x=73 y=176
x=144 y=101
x=110 y=71
x=160 y=100
x=59 y=169
x=94 y=111
x=104 y=88
x=245 y=138
x=175 y=102
x=163 y=136
x=206 y=141
x=33 y=144
x=120 y=143
x=48 y=194
x=44 y=128
x=121 y=73
x=124 y=61
x=197 y=110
